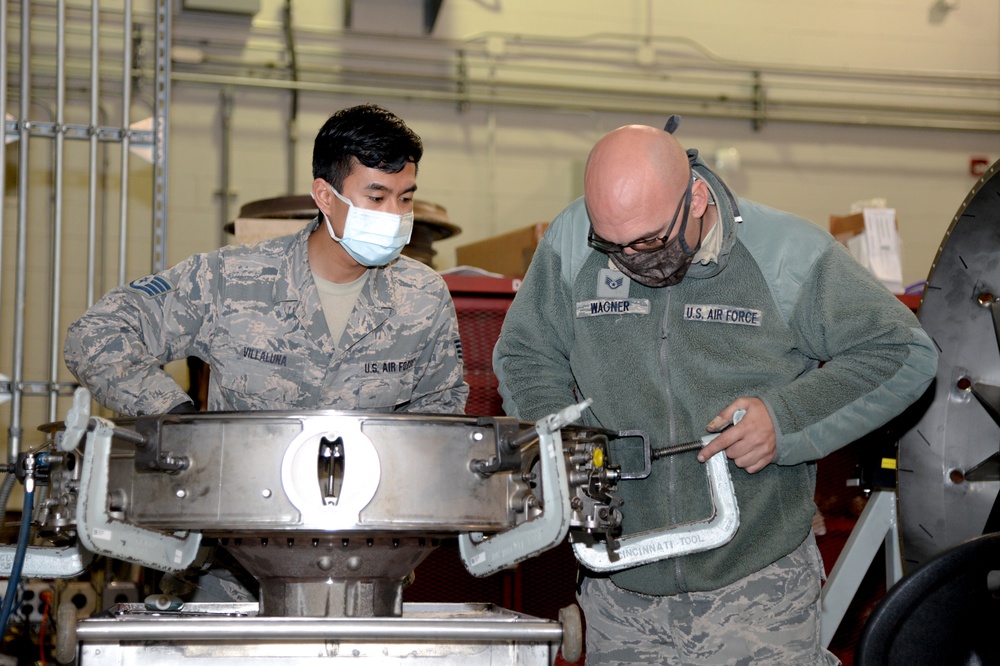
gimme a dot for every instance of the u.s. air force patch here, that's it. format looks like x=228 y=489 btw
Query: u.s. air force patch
x=723 y=314
x=151 y=286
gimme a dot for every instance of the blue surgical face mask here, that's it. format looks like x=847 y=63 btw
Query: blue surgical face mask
x=372 y=237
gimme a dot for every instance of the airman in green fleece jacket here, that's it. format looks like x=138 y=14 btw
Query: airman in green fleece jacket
x=672 y=304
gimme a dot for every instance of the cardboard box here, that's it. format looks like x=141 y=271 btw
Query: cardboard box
x=508 y=254
x=846 y=227
x=874 y=242
x=249 y=231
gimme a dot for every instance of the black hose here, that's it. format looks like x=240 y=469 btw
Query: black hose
x=19 y=554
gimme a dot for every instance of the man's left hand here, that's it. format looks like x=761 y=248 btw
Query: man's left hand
x=751 y=443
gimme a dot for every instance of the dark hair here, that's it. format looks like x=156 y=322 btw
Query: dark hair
x=377 y=138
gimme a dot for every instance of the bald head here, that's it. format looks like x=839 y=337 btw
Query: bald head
x=633 y=181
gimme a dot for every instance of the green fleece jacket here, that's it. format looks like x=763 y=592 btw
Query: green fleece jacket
x=783 y=298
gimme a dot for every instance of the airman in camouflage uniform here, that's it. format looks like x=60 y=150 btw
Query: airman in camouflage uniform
x=255 y=314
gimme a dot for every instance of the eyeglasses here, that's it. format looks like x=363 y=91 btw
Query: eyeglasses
x=643 y=244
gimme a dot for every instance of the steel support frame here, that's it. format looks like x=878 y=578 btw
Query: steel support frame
x=26 y=130
x=878 y=524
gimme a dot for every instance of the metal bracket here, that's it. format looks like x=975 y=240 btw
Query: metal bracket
x=487 y=556
x=877 y=526
x=148 y=455
x=77 y=421
x=647 y=454
x=677 y=539
x=101 y=534
x=509 y=438
x=46 y=561
x=361 y=475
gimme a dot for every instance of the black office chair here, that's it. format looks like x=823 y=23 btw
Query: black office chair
x=946 y=612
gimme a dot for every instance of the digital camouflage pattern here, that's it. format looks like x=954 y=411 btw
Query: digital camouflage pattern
x=770 y=617
x=254 y=315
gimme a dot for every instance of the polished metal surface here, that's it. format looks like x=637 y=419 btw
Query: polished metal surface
x=428 y=634
x=419 y=623
x=945 y=484
x=331 y=576
x=286 y=473
x=329 y=511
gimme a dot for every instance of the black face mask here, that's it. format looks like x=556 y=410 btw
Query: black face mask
x=658 y=268
x=664 y=266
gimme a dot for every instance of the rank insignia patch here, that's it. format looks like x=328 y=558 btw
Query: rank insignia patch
x=612 y=284
x=151 y=286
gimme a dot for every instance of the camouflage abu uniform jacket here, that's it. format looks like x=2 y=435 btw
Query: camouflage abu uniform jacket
x=254 y=315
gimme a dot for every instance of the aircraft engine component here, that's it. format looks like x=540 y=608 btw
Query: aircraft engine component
x=330 y=512
x=949 y=462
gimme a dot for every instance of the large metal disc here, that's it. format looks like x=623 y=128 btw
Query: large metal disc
x=948 y=479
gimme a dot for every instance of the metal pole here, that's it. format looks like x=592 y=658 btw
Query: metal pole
x=57 y=218
x=21 y=263
x=225 y=172
x=126 y=114
x=301 y=628
x=3 y=134
x=161 y=134
x=293 y=110
x=95 y=80
x=551 y=97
